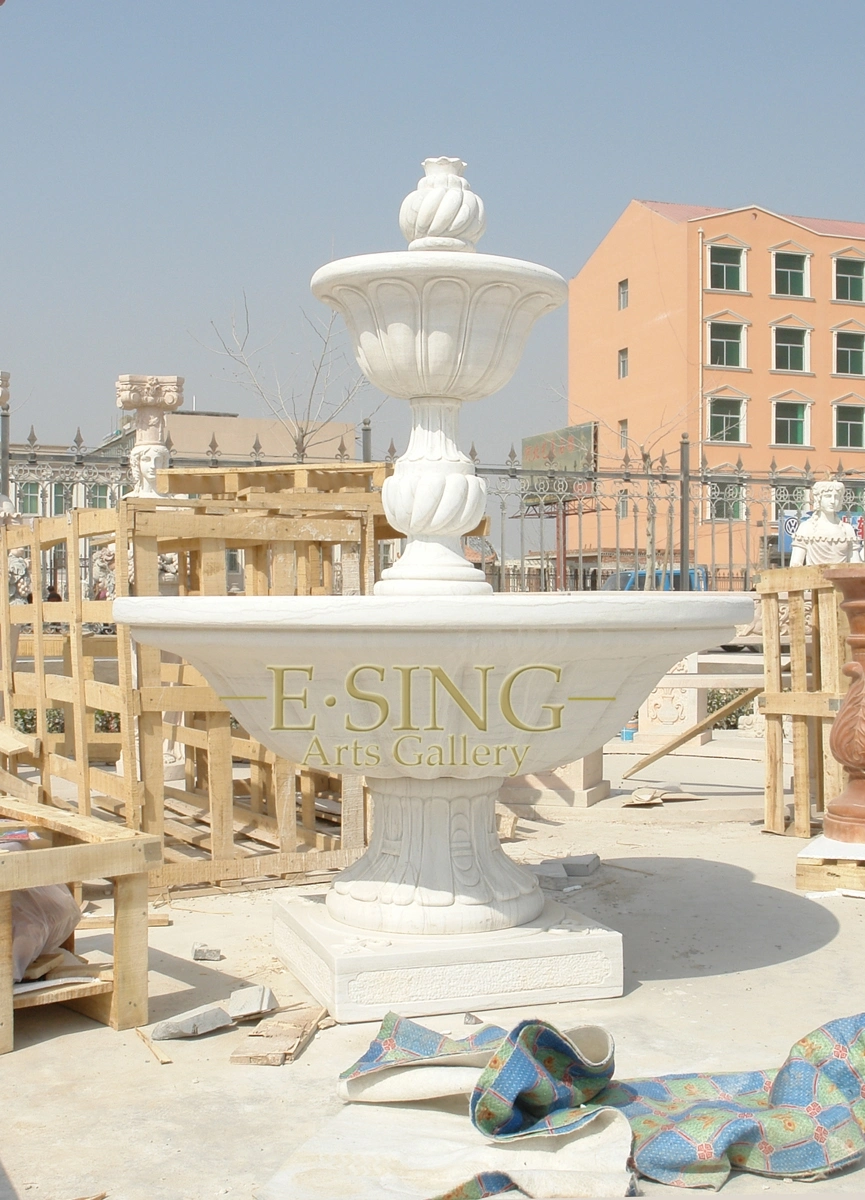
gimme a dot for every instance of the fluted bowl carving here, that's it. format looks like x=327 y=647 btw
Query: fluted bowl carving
x=438 y=323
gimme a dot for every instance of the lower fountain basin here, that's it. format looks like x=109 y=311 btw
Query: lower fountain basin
x=464 y=687
x=435 y=701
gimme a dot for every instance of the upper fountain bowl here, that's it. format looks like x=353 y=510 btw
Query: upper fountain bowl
x=438 y=323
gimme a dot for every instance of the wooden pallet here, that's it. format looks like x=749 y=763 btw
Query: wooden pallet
x=823 y=874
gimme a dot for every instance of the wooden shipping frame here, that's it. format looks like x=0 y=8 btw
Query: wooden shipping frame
x=215 y=828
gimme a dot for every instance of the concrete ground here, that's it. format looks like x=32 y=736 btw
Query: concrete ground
x=726 y=966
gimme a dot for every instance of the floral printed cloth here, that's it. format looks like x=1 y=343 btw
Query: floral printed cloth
x=804 y=1120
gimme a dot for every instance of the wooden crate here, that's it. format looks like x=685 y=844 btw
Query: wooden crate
x=215 y=826
x=82 y=848
x=817 y=652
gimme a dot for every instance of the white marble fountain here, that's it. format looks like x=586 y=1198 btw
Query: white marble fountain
x=434 y=688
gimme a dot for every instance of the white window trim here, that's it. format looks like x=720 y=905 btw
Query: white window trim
x=847 y=327
x=847 y=252
x=854 y=400
x=786 y=323
x=733 y=243
x=793 y=398
x=726 y=318
x=626 y=351
x=794 y=248
x=743 y=423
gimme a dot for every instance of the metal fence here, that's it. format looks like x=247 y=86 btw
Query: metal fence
x=647 y=525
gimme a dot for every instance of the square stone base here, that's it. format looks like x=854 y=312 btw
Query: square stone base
x=361 y=976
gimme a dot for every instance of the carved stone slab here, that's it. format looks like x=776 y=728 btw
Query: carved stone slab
x=559 y=956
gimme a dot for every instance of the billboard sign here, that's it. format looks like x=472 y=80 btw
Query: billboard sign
x=571 y=449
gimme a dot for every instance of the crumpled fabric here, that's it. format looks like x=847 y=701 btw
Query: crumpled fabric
x=804 y=1120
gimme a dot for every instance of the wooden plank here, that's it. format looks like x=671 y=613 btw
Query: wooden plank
x=59 y=688
x=212 y=870
x=774 y=810
x=244 y=528
x=107 y=696
x=799 y=684
x=706 y=723
x=21 y=788
x=800 y=704
x=179 y=699
x=220 y=784
x=63 y=864
x=63 y=993
x=826 y=874
x=14 y=742
x=7 y=1020
x=64 y=821
x=129 y=998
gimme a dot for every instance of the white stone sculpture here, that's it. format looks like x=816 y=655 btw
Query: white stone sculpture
x=149 y=398
x=145 y=459
x=18 y=576
x=823 y=538
x=437 y=700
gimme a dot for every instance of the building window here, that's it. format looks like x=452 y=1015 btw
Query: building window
x=789 y=349
x=849 y=426
x=60 y=499
x=725 y=345
x=28 y=499
x=623 y=435
x=725 y=421
x=725 y=500
x=849 y=273
x=623 y=293
x=790 y=274
x=789 y=423
x=725 y=268
x=97 y=495
x=849 y=353
x=623 y=364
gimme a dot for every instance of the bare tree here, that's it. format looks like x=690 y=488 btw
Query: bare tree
x=316 y=395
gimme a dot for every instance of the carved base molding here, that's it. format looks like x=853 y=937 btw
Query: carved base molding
x=559 y=956
x=434 y=864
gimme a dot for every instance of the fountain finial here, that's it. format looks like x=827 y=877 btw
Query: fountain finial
x=443 y=213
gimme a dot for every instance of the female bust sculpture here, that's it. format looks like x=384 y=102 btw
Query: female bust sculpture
x=145 y=460
x=824 y=538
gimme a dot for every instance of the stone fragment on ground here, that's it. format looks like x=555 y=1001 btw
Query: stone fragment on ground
x=192 y=1024
x=551 y=875
x=203 y=953
x=250 y=1002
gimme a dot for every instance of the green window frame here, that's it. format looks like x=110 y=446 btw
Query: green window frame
x=725 y=345
x=725 y=421
x=725 y=268
x=725 y=500
x=98 y=495
x=850 y=353
x=789 y=423
x=29 y=499
x=789 y=274
x=849 y=278
x=789 y=349
x=850 y=426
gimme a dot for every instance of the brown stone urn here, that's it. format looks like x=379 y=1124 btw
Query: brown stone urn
x=845 y=816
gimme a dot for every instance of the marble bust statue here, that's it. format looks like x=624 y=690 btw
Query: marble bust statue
x=823 y=538
x=145 y=460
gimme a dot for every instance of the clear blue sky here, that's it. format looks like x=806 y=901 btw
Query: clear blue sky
x=158 y=157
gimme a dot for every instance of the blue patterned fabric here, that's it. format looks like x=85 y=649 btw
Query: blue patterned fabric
x=804 y=1120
